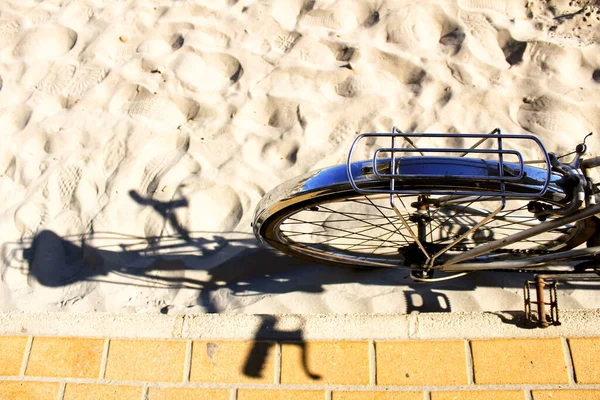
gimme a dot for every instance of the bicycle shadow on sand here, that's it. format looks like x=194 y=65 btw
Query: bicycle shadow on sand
x=224 y=271
x=221 y=266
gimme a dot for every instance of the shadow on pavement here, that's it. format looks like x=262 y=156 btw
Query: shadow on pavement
x=255 y=361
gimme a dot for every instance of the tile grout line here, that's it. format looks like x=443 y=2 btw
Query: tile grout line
x=426 y=395
x=61 y=391
x=470 y=363
x=569 y=361
x=328 y=395
x=360 y=388
x=26 y=356
x=528 y=394
x=233 y=394
x=277 y=377
x=187 y=367
x=372 y=364
x=145 y=392
x=104 y=360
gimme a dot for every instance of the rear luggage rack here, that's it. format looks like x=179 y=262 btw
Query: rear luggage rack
x=391 y=167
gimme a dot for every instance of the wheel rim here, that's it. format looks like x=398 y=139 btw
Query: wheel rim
x=361 y=230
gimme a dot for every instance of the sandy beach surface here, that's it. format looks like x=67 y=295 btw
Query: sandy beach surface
x=139 y=135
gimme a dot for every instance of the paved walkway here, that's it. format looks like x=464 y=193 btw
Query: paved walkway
x=119 y=366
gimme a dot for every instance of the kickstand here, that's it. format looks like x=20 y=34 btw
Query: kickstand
x=539 y=316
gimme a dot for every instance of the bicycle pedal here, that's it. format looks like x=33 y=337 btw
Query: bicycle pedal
x=538 y=315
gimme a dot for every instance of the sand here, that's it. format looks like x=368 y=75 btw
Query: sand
x=138 y=137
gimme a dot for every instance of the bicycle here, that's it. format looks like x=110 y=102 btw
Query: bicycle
x=418 y=208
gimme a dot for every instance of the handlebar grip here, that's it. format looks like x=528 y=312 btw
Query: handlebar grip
x=590 y=162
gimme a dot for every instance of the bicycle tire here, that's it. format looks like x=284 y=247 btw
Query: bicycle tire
x=317 y=191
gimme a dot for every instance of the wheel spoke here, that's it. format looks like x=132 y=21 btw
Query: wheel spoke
x=348 y=233
x=360 y=220
x=391 y=223
x=365 y=228
x=451 y=217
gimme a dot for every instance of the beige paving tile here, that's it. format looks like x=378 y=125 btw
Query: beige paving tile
x=415 y=363
x=233 y=361
x=280 y=394
x=146 y=360
x=155 y=393
x=65 y=357
x=356 y=395
x=341 y=363
x=12 y=351
x=586 y=359
x=519 y=361
x=479 y=395
x=29 y=390
x=77 y=391
x=565 y=394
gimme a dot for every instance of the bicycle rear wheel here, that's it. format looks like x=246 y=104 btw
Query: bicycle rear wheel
x=319 y=217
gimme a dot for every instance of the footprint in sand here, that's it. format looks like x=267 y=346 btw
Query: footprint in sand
x=551 y=116
x=398 y=68
x=416 y=27
x=45 y=43
x=510 y=8
x=38 y=17
x=61 y=188
x=207 y=71
x=355 y=85
x=9 y=27
x=343 y=15
x=313 y=52
x=482 y=39
x=284 y=42
x=162 y=162
x=114 y=152
x=161 y=112
x=76 y=14
x=551 y=57
x=87 y=76
x=57 y=79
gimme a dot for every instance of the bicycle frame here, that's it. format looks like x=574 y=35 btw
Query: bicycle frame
x=455 y=263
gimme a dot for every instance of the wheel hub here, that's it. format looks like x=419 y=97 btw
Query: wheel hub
x=414 y=256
